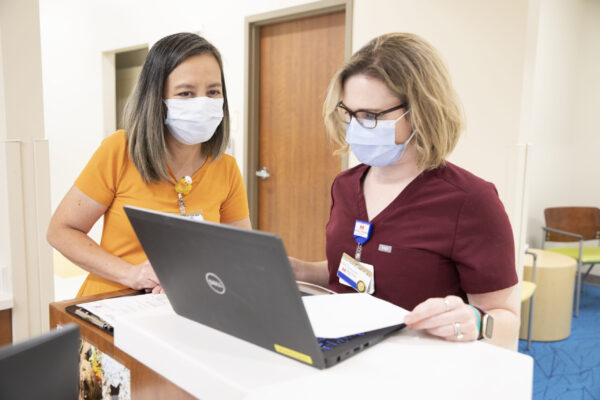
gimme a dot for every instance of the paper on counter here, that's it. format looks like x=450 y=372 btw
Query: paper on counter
x=110 y=309
x=333 y=316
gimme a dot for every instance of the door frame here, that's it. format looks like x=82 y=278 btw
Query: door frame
x=253 y=24
x=109 y=89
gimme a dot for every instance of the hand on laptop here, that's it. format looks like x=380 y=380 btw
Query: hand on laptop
x=142 y=276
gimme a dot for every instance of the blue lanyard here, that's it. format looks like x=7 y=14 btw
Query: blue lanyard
x=362 y=234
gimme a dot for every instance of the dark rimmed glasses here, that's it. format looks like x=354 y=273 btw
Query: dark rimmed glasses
x=367 y=119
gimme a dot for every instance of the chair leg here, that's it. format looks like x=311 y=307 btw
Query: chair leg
x=578 y=287
x=587 y=273
x=529 y=323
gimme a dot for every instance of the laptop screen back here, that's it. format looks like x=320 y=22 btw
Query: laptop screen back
x=45 y=367
x=234 y=280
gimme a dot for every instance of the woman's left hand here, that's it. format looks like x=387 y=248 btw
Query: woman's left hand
x=449 y=318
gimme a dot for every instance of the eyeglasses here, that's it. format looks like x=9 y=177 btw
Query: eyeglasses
x=367 y=119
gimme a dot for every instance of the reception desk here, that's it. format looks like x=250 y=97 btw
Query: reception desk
x=6 y=304
x=145 y=383
x=169 y=353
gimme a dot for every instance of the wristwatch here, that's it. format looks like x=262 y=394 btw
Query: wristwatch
x=487 y=326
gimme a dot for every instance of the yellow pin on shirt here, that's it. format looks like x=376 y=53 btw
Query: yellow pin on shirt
x=183 y=187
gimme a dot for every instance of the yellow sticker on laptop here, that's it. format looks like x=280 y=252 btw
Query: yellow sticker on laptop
x=293 y=353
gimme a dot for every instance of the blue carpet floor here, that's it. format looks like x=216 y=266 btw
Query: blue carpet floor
x=570 y=368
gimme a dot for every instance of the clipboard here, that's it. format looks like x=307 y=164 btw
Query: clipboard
x=91 y=318
x=86 y=315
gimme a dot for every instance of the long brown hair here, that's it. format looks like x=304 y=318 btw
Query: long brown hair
x=144 y=113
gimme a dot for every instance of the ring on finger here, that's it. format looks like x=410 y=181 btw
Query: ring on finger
x=457 y=331
x=447 y=304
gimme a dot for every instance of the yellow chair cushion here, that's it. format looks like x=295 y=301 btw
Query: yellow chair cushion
x=590 y=254
x=527 y=290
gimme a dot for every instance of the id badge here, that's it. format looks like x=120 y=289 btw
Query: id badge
x=197 y=215
x=358 y=275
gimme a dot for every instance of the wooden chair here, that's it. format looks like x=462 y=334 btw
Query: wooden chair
x=574 y=224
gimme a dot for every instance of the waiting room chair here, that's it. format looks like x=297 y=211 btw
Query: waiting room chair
x=574 y=224
x=527 y=293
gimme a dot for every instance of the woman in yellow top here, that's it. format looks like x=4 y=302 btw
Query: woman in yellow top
x=169 y=158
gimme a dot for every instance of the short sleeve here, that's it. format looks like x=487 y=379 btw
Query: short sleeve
x=235 y=206
x=483 y=247
x=100 y=176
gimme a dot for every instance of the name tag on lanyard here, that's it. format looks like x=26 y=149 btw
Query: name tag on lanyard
x=352 y=272
x=356 y=274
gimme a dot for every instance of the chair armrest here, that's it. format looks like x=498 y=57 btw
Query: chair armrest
x=545 y=228
x=534 y=266
x=580 y=237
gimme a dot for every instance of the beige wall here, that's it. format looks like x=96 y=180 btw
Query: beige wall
x=484 y=47
x=487 y=46
x=525 y=71
x=24 y=157
x=585 y=188
x=76 y=34
x=481 y=41
x=565 y=133
x=5 y=282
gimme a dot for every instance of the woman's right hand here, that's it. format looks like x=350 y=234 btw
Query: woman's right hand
x=142 y=276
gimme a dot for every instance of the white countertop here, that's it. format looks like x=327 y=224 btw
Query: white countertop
x=6 y=300
x=209 y=364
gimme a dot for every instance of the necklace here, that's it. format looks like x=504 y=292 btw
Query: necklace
x=183 y=187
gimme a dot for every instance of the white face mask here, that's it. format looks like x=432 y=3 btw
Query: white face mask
x=376 y=147
x=193 y=121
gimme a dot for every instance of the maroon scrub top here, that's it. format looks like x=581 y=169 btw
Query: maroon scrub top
x=447 y=230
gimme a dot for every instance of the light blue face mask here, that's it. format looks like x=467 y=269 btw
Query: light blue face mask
x=376 y=147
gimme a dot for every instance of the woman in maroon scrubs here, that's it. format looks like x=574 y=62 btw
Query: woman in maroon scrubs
x=406 y=225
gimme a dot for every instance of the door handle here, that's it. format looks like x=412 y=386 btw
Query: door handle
x=263 y=173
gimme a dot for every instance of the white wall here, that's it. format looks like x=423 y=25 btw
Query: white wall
x=487 y=46
x=483 y=46
x=566 y=104
x=526 y=72
x=24 y=162
x=482 y=42
x=5 y=284
x=75 y=33
x=586 y=110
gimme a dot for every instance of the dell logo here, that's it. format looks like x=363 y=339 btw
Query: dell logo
x=215 y=283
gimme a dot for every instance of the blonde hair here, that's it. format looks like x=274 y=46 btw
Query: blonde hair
x=144 y=115
x=414 y=71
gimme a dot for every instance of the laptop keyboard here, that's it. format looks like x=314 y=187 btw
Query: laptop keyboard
x=328 y=344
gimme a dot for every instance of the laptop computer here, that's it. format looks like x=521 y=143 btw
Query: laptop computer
x=45 y=367
x=240 y=282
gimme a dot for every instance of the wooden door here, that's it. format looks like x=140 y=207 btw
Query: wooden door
x=298 y=58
